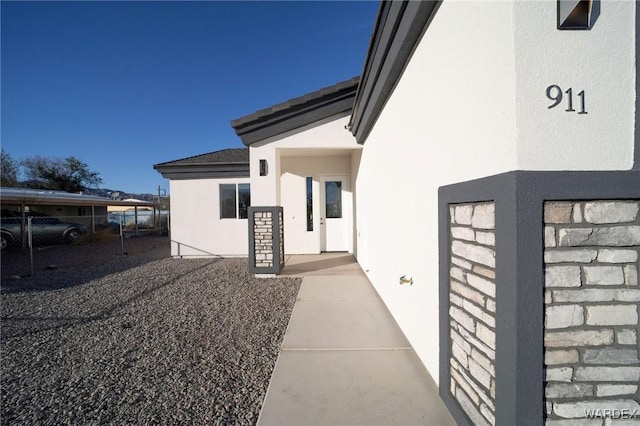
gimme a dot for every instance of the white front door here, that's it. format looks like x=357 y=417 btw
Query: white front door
x=334 y=213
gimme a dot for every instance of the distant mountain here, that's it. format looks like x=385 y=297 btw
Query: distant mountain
x=122 y=195
x=99 y=192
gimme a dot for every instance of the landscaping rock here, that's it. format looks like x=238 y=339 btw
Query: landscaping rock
x=142 y=339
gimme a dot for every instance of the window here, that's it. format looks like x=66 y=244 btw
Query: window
x=244 y=200
x=309 y=204
x=333 y=199
x=45 y=221
x=235 y=200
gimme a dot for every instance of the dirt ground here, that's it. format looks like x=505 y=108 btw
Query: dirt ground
x=17 y=263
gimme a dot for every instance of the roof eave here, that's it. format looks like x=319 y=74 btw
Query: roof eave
x=203 y=171
x=399 y=28
x=209 y=161
x=296 y=113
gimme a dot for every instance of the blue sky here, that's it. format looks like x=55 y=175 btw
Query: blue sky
x=125 y=85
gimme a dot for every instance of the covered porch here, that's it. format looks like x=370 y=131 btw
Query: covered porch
x=317 y=193
x=303 y=160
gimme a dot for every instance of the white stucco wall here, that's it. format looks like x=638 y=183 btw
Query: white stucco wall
x=471 y=103
x=600 y=62
x=293 y=198
x=327 y=134
x=451 y=118
x=196 y=227
x=321 y=149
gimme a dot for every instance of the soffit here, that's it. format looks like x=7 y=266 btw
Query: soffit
x=316 y=152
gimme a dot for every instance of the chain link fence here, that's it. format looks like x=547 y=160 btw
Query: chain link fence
x=36 y=242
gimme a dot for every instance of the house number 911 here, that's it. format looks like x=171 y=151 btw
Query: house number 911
x=555 y=94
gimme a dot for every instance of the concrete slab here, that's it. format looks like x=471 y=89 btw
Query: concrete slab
x=344 y=360
x=323 y=264
x=317 y=287
x=353 y=323
x=385 y=387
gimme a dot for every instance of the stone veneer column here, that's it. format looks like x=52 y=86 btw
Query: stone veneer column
x=591 y=311
x=472 y=294
x=263 y=234
x=591 y=302
x=266 y=240
x=281 y=234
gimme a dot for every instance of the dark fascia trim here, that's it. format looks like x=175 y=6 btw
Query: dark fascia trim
x=296 y=113
x=399 y=28
x=519 y=201
x=203 y=171
x=223 y=156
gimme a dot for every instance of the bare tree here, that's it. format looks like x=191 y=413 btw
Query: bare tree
x=69 y=174
x=9 y=171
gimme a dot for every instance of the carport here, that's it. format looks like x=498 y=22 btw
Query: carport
x=59 y=204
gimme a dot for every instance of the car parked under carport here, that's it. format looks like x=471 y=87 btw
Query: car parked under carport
x=45 y=230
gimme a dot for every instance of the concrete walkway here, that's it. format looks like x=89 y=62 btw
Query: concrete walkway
x=344 y=360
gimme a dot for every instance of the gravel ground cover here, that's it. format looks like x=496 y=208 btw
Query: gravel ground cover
x=18 y=262
x=155 y=341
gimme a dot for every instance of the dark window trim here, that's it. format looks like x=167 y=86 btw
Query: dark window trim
x=221 y=200
x=237 y=200
x=309 y=202
x=327 y=214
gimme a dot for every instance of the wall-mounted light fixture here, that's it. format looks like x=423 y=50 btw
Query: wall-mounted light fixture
x=577 y=14
x=263 y=168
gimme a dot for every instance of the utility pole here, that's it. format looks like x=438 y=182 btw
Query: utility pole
x=161 y=193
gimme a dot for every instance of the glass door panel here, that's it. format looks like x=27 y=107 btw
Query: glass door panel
x=333 y=199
